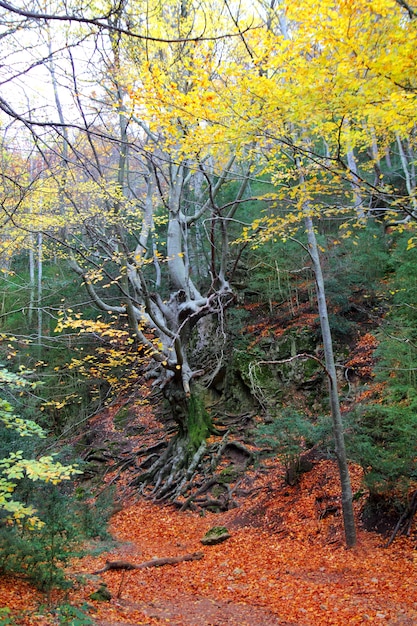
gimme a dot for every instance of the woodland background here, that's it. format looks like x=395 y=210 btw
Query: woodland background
x=208 y=260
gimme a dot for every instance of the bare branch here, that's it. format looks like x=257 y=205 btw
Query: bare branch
x=109 y=26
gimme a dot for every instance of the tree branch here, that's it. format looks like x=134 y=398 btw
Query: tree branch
x=168 y=560
x=107 y=25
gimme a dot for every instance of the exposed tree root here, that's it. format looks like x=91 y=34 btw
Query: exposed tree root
x=186 y=479
x=405 y=522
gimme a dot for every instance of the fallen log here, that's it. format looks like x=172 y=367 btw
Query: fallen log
x=168 y=560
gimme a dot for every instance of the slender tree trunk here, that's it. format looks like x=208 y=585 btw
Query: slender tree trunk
x=340 y=449
x=32 y=247
x=355 y=181
x=31 y=279
x=374 y=154
x=39 y=307
x=338 y=434
x=408 y=176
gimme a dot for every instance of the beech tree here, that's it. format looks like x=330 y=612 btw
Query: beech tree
x=134 y=188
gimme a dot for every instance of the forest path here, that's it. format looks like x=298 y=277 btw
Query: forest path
x=193 y=611
x=285 y=563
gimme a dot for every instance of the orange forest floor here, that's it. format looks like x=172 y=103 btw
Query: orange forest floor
x=285 y=563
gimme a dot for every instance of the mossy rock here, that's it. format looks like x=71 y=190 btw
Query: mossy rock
x=215 y=535
x=102 y=594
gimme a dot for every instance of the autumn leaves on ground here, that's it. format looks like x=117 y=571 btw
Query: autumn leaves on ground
x=284 y=563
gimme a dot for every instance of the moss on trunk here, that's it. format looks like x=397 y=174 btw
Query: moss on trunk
x=199 y=424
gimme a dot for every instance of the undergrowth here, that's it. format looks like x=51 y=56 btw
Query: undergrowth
x=42 y=554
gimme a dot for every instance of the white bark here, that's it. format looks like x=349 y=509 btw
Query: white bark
x=177 y=252
x=354 y=180
x=409 y=182
x=31 y=278
x=39 y=287
x=355 y=183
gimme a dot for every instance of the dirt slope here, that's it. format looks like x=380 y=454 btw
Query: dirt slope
x=285 y=563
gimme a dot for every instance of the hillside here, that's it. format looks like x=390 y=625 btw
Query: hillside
x=208 y=312
x=284 y=564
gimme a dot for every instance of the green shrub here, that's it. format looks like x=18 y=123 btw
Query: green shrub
x=66 y=614
x=287 y=436
x=6 y=618
x=42 y=553
x=94 y=513
x=381 y=438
